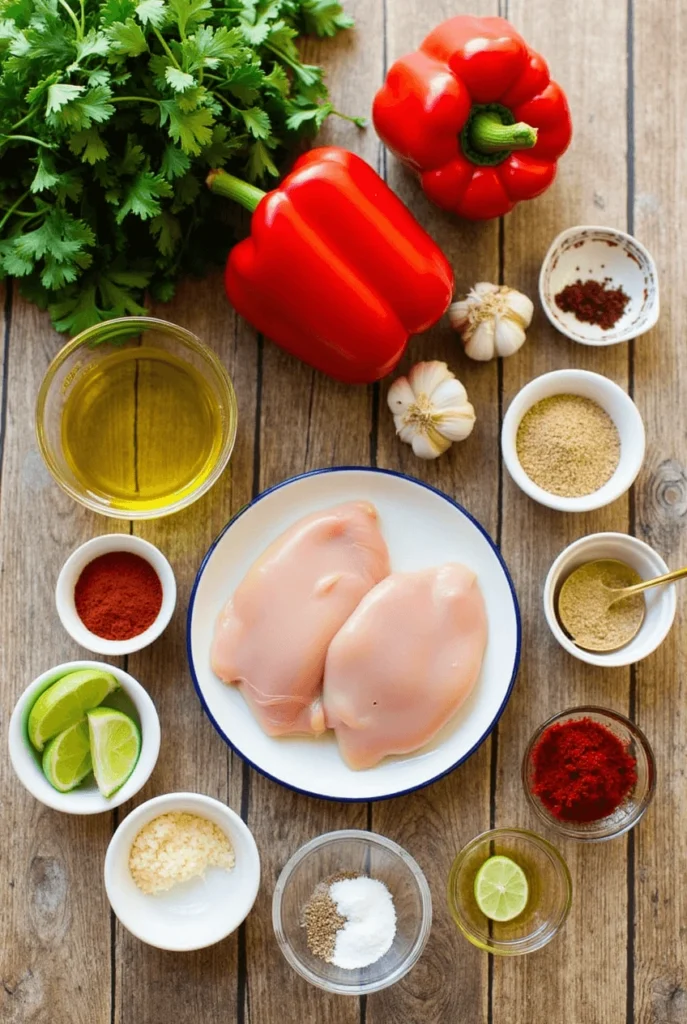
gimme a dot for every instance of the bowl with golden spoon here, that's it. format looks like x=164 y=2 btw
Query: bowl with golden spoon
x=588 y=615
x=601 y=604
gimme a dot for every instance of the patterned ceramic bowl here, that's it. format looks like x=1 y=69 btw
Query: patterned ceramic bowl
x=601 y=254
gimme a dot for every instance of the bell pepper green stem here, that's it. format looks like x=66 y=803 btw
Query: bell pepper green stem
x=488 y=134
x=224 y=184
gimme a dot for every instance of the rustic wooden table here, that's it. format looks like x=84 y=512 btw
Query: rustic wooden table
x=622 y=954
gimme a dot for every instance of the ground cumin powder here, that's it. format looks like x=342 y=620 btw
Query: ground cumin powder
x=568 y=445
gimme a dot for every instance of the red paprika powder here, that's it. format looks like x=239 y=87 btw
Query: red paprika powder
x=581 y=770
x=593 y=302
x=118 y=595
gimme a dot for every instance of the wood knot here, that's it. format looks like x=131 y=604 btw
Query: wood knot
x=662 y=505
x=48 y=885
x=668 y=1002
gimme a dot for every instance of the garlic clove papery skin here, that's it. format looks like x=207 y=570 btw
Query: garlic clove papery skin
x=520 y=308
x=400 y=397
x=491 y=320
x=426 y=377
x=480 y=343
x=509 y=336
x=456 y=426
x=430 y=409
x=430 y=445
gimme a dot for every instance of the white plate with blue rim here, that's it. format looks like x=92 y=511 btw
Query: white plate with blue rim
x=422 y=528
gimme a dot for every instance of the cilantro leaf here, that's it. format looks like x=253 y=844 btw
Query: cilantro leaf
x=123 y=109
x=167 y=231
x=127 y=38
x=60 y=94
x=257 y=122
x=174 y=163
x=192 y=128
x=93 y=43
x=143 y=196
x=189 y=13
x=89 y=145
x=152 y=12
x=324 y=17
x=180 y=81
x=260 y=162
x=46 y=175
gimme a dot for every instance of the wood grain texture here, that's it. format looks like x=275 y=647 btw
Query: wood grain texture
x=54 y=907
x=659 y=952
x=150 y=985
x=585 y=48
x=291 y=419
x=308 y=422
x=450 y=981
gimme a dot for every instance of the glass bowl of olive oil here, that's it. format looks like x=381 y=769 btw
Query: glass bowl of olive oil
x=546 y=904
x=136 y=418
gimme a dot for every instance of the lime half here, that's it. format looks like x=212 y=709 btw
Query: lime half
x=115 y=746
x=67 y=757
x=501 y=889
x=66 y=702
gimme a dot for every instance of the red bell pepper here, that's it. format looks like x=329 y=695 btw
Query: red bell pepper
x=336 y=271
x=476 y=115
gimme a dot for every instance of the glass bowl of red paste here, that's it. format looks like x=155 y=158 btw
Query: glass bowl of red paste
x=589 y=773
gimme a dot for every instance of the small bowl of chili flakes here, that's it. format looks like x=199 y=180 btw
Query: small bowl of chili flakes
x=589 y=773
x=116 y=594
x=599 y=286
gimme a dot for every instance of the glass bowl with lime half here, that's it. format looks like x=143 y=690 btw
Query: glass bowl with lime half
x=509 y=891
x=136 y=418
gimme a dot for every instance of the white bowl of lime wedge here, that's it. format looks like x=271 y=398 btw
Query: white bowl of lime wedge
x=84 y=737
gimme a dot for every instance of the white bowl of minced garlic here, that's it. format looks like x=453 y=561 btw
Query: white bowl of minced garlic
x=573 y=440
x=182 y=871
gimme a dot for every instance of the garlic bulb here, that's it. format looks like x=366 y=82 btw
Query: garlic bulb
x=491 y=320
x=431 y=409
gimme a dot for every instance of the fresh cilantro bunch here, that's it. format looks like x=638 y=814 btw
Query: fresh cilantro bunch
x=111 y=114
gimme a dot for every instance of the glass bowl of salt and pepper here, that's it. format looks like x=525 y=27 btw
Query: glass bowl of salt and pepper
x=352 y=912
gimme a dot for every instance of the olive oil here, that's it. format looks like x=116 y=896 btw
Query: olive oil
x=141 y=428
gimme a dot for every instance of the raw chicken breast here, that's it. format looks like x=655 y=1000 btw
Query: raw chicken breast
x=272 y=637
x=405 y=661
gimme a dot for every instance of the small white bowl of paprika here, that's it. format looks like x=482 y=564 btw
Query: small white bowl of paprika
x=116 y=594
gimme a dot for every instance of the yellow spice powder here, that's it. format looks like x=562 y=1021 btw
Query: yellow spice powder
x=175 y=847
x=568 y=445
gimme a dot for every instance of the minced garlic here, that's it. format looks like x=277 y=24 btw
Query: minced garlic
x=175 y=847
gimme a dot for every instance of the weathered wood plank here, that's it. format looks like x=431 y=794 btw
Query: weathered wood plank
x=55 y=908
x=660 y=221
x=151 y=985
x=308 y=422
x=581 y=976
x=434 y=824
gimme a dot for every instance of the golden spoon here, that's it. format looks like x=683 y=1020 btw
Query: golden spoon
x=600 y=604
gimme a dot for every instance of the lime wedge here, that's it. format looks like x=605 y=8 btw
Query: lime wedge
x=501 y=889
x=66 y=702
x=115 y=746
x=67 y=757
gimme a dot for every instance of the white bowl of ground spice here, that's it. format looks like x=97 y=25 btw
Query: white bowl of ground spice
x=661 y=602
x=182 y=871
x=573 y=440
x=116 y=594
x=599 y=286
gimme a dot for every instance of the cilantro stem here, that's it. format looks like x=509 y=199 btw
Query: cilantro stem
x=360 y=122
x=26 y=138
x=70 y=12
x=134 y=99
x=14 y=207
x=165 y=47
x=83 y=16
x=24 y=119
